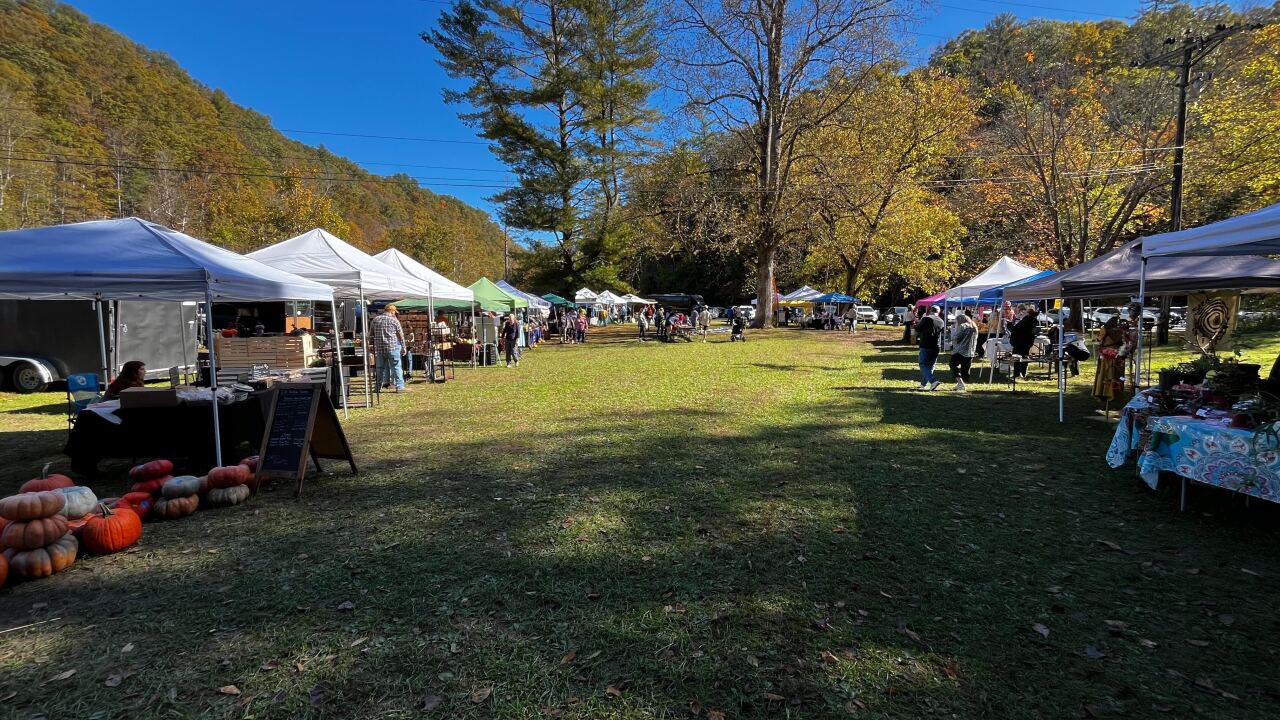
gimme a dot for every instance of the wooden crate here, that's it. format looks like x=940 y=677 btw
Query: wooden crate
x=285 y=351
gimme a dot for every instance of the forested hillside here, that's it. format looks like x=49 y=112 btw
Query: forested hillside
x=93 y=125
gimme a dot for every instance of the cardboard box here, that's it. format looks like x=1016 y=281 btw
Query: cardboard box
x=148 y=398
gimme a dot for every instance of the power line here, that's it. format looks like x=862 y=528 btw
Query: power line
x=1034 y=6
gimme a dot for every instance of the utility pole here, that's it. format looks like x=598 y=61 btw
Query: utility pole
x=1192 y=50
x=506 y=253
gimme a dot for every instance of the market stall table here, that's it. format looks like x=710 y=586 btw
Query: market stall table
x=178 y=432
x=1206 y=450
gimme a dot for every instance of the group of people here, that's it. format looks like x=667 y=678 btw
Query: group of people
x=930 y=330
x=670 y=324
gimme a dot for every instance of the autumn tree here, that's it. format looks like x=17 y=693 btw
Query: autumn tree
x=871 y=181
x=759 y=73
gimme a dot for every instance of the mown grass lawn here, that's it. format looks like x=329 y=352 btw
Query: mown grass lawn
x=775 y=529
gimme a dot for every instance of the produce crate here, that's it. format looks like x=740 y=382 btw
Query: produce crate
x=287 y=351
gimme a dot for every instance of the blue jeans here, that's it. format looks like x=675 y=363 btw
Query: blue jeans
x=389 y=367
x=928 y=356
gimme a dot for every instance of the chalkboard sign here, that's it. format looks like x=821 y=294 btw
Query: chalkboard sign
x=300 y=425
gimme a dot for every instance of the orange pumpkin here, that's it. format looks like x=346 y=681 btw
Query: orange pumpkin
x=229 y=476
x=250 y=462
x=174 y=508
x=76 y=527
x=46 y=482
x=110 y=531
x=150 y=470
x=31 y=506
x=45 y=561
x=32 y=534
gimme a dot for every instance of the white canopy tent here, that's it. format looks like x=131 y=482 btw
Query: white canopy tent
x=1255 y=233
x=609 y=298
x=1002 y=272
x=636 y=300
x=585 y=297
x=132 y=259
x=441 y=287
x=325 y=258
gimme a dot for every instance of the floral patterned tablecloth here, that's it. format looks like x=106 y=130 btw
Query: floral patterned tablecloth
x=1206 y=452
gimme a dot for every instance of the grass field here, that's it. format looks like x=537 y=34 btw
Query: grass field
x=775 y=529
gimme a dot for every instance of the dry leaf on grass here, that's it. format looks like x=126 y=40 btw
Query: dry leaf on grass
x=228 y=690
x=116 y=678
x=1040 y=628
x=568 y=657
x=481 y=694
x=612 y=691
x=64 y=675
x=715 y=715
x=430 y=702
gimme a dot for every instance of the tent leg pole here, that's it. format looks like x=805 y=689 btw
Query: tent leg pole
x=1062 y=366
x=1142 y=305
x=102 y=344
x=364 y=351
x=337 y=344
x=474 y=336
x=213 y=377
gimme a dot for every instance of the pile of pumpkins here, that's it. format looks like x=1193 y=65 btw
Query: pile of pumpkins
x=44 y=526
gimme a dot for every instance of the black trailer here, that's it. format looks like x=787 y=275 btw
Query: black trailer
x=44 y=341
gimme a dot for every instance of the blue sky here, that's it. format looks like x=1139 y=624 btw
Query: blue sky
x=359 y=68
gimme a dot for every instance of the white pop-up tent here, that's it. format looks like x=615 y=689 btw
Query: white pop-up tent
x=636 y=300
x=609 y=298
x=443 y=290
x=585 y=297
x=132 y=259
x=352 y=273
x=1002 y=272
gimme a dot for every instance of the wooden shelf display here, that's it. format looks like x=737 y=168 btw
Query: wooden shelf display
x=288 y=351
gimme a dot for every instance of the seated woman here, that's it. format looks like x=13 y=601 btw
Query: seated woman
x=133 y=374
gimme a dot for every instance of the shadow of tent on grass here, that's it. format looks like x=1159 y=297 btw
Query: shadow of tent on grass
x=678 y=563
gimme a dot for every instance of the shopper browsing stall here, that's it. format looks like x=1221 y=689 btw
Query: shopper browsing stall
x=387 y=336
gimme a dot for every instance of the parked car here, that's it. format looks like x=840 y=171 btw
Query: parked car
x=867 y=314
x=746 y=311
x=1101 y=315
x=680 y=302
x=899 y=315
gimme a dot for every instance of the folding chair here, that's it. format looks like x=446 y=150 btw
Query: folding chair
x=82 y=391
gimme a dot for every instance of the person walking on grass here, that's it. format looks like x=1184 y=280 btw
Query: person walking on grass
x=582 y=326
x=387 y=336
x=964 y=345
x=643 y=321
x=511 y=340
x=929 y=337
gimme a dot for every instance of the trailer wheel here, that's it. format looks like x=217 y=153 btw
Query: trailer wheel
x=26 y=378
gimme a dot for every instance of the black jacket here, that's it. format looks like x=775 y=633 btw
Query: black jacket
x=929 y=332
x=1023 y=334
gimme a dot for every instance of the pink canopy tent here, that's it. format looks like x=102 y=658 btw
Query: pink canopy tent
x=932 y=300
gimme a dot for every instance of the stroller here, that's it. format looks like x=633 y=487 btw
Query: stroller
x=738 y=333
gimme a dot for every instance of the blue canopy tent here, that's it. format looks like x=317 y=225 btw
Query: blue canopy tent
x=833 y=298
x=995 y=295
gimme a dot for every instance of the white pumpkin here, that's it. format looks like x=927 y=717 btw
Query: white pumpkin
x=80 y=501
x=180 y=487
x=234 y=495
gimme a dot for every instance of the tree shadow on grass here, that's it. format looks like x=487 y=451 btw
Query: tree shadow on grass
x=673 y=555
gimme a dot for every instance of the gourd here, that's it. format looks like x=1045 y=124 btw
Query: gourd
x=250 y=462
x=229 y=476
x=174 y=508
x=108 y=531
x=180 y=487
x=32 y=534
x=43 y=562
x=46 y=482
x=30 y=506
x=223 y=497
x=4 y=569
x=80 y=501
x=150 y=487
x=150 y=470
x=139 y=502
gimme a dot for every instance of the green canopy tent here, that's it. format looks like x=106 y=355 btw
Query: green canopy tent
x=487 y=294
x=558 y=301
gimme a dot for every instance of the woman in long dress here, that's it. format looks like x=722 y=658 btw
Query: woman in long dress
x=1110 y=360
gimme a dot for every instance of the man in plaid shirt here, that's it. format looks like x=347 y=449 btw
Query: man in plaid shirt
x=387 y=337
